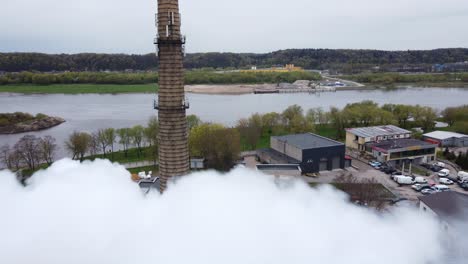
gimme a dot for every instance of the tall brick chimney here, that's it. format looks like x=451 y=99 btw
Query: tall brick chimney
x=171 y=104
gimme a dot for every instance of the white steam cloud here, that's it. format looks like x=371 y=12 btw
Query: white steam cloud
x=92 y=213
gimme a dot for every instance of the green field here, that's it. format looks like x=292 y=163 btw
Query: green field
x=119 y=156
x=79 y=88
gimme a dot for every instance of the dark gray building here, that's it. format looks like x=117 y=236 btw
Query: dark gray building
x=312 y=152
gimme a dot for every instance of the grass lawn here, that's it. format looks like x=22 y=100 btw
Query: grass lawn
x=327 y=131
x=79 y=88
x=120 y=157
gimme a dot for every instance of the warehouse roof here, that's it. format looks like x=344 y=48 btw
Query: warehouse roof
x=441 y=135
x=402 y=143
x=388 y=130
x=447 y=205
x=308 y=141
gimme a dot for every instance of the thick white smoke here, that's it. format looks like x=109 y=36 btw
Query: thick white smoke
x=92 y=213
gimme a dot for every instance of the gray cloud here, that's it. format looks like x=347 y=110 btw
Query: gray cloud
x=113 y=26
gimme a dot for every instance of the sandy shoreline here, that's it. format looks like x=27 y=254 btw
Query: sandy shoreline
x=234 y=89
x=227 y=89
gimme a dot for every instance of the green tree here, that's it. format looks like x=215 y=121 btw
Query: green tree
x=78 y=144
x=151 y=136
x=220 y=146
x=425 y=117
x=110 y=138
x=192 y=121
x=124 y=139
x=137 y=133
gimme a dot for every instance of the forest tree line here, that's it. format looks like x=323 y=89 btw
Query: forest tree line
x=393 y=78
x=344 y=60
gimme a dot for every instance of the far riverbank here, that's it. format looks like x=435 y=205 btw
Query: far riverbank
x=215 y=89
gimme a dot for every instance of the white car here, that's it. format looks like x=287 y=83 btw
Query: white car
x=420 y=180
x=441 y=188
x=443 y=173
x=445 y=181
x=374 y=163
x=404 y=180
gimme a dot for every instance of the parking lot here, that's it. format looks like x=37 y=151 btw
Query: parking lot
x=405 y=191
x=365 y=171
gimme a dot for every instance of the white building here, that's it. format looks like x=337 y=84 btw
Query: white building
x=447 y=139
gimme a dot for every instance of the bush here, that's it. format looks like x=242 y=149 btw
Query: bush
x=41 y=116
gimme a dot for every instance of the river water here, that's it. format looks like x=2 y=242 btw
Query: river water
x=90 y=112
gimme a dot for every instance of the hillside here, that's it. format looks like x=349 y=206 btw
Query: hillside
x=343 y=60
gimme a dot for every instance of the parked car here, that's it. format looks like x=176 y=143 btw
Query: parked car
x=440 y=164
x=420 y=180
x=419 y=187
x=428 y=191
x=435 y=168
x=445 y=181
x=460 y=182
x=426 y=165
x=389 y=170
x=404 y=180
x=374 y=163
x=443 y=173
x=393 y=176
x=464 y=186
x=463 y=175
x=441 y=188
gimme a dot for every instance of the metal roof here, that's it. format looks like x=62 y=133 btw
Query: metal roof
x=449 y=205
x=441 y=135
x=388 y=130
x=308 y=141
x=403 y=143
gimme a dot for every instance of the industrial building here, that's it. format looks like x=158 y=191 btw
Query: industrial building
x=313 y=153
x=395 y=151
x=450 y=207
x=359 y=138
x=447 y=139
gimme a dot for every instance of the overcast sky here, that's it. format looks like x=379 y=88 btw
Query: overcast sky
x=127 y=26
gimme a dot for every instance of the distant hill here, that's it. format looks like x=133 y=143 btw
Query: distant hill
x=347 y=61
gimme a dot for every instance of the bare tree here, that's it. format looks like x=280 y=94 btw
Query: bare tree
x=48 y=147
x=15 y=160
x=363 y=191
x=5 y=153
x=78 y=144
x=94 y=144
x=28 y=149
